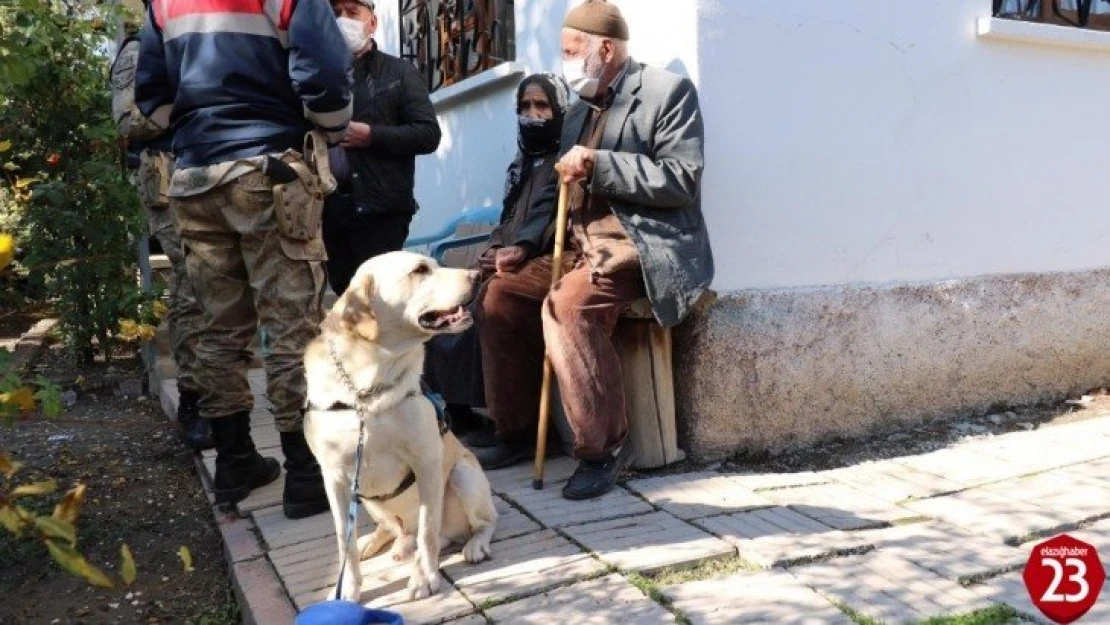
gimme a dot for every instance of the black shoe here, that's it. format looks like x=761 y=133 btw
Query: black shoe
x=463 y=419
x=304 y=493
x=239 y=468
x=503 y=455
x=195 y=431
x=594 y=479
x=480 y=439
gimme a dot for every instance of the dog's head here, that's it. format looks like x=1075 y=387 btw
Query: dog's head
x=401 y=295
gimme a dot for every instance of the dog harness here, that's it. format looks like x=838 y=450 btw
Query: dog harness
x=360 y=396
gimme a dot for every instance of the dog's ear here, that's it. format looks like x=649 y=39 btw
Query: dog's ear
x=357 y=313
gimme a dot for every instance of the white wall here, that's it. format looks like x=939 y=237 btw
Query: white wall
x=847 y=142
x=878 y=141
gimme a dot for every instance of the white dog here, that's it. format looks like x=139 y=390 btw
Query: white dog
x=416 y=478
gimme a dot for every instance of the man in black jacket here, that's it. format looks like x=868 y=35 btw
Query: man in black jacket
x=393 y=122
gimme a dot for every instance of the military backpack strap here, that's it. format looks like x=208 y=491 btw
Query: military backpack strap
x=316 y=157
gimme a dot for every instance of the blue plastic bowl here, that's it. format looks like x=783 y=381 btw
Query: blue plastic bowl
x=346 y=613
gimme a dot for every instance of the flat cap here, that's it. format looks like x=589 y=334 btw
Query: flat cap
x=598 y=17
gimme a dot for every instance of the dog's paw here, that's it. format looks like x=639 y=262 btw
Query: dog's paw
x=420 y=585
x=370 y=546
x=476 y=550
x=403 y=547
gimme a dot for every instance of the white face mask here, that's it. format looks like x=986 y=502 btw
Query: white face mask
x=354 y=33
x=578 y=77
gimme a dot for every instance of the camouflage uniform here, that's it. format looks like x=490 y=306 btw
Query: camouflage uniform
x=185 y=317
x=247 y=276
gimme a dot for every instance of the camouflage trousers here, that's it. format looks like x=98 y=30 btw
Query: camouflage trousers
x=185 y=316
x=248 y=277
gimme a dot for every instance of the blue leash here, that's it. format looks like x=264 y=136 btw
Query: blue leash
x=352 y=508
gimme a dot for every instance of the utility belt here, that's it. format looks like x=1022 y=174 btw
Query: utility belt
x=153 y=179
x=302 y=183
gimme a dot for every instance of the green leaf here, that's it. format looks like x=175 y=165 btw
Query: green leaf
x=127 y=565
x=5 y=145
x=56 y=528
x=38 y=488
x=10 y=166
x=69 y=559
x=49 y=396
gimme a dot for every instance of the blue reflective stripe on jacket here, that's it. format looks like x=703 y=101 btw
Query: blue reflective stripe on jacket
x=244 y=77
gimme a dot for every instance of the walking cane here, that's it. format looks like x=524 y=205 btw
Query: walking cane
x=545 y=390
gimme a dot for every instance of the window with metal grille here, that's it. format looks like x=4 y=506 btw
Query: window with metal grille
x=1093 y=14
x=449 y=40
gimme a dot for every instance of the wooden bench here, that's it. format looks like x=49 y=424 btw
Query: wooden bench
x=644 y=348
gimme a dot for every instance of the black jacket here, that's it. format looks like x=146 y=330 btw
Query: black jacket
x=390 y=95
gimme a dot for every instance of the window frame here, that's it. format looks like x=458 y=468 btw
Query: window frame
x=450 y=41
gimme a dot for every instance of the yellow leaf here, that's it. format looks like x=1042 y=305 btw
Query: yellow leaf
x=7 y=249
x=54 y=528
x=186 y=558
x=11 y=520
x=23 y=183
x=5 y=145
x=8 y=466
x=22 y=398
x=160 y=309
x=70 y=506
x=70 y=560
x=130 y=330
x=127 y=565
x=38 y=488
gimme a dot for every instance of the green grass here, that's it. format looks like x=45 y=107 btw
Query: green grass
x=857 y=618
x=226 y=613
x=493 y=603
x=651 y=589
x=707 y=569
x=994 y=615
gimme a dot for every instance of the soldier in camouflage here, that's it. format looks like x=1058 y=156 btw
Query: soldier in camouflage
x=149 y=162
x=185 y=318
x=245 y=83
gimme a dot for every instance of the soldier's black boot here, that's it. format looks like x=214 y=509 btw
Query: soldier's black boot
x=239 y=467
x=304 y=493
x=195 y=431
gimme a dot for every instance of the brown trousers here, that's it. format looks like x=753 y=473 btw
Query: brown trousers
x=579 y=315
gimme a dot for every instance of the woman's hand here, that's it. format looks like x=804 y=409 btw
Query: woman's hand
x=486 y=261
x=509 y=258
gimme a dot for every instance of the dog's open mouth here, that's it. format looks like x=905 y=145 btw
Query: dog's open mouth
x=445 y=319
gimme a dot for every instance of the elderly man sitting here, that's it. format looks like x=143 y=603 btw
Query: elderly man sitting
x=632 y=155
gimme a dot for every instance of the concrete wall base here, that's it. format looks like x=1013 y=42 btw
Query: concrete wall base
x=769 y=370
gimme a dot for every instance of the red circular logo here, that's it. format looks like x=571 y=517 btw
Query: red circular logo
x=1064 y=577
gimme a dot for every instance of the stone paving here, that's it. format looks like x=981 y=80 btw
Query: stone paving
x=897 y=541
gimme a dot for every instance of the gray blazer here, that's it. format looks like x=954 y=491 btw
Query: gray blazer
x=649 y=166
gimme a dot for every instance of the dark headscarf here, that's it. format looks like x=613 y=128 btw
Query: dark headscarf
x=536 y=139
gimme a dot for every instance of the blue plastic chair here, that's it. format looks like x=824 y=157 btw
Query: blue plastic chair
x=346 y=613
x=445 y=239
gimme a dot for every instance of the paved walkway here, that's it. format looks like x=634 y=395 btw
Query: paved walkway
x=896 y=541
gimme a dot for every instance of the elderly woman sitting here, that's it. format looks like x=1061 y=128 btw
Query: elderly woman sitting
x=453 y=367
